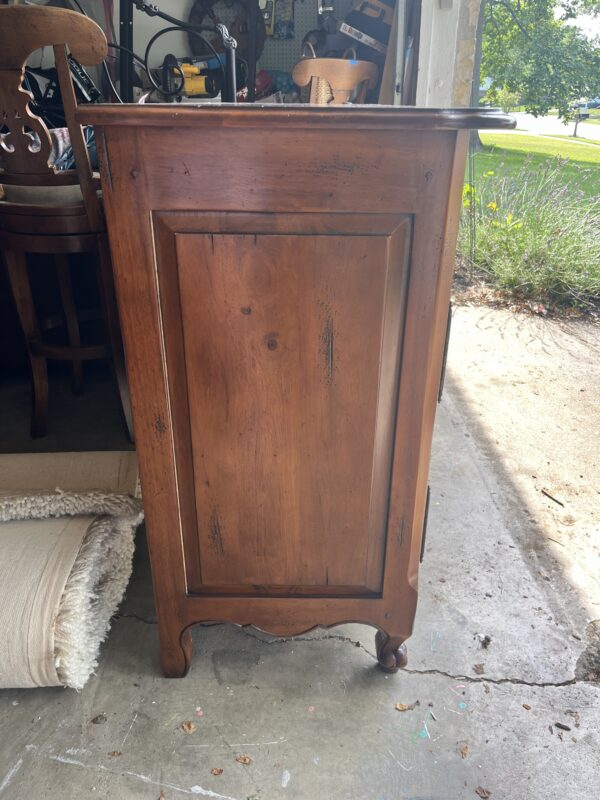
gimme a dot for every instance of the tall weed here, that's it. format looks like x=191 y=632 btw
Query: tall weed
x=534 y=234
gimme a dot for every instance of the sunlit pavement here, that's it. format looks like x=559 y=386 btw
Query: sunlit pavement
x=552 y=126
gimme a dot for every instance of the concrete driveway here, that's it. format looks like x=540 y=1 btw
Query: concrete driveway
x=501 y=695
x=552 y=126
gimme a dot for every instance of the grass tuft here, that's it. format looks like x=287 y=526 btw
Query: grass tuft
x=536 y=231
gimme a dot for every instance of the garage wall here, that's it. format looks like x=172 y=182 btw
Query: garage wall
x=447 y=52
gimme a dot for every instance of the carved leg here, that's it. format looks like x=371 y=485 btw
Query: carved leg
x=391 y=652
x=18 y=277
x=175 y=653
x=70 y=311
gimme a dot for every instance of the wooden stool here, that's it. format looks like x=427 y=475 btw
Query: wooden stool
x=334 y=80
x=44 y=210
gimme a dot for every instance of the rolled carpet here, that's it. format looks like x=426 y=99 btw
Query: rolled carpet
x=65 y=561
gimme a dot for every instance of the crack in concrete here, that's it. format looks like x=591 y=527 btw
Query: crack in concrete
x=136 y=616
x=335 y=636
x=338 y=637
x=513 y=681
x=442 y=673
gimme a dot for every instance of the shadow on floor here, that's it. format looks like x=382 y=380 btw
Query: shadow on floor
x=546 y=568
x=91 y=421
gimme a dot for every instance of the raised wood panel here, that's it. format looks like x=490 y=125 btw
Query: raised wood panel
x=291 y=346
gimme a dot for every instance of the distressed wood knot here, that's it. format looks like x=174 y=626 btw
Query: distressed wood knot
x=428 y=176
x=159 y=426
x=272 y=343
x=134 y=173
x=246 y=310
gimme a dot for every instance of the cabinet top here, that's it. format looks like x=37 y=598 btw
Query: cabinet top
x=293 y=116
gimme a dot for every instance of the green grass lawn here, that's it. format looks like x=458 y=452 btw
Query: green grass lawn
x=511 y=154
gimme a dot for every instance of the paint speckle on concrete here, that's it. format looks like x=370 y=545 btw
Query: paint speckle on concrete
x=7 y=780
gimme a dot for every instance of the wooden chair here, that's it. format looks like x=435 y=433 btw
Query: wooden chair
x=48 y=211
x=334 y=80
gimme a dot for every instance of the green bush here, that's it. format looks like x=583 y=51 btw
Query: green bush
x=534 y=234
x=507 y=100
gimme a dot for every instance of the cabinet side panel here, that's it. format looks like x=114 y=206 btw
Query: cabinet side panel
x=283 y=338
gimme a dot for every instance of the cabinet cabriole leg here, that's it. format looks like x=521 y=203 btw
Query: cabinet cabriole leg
x=176 y=655
x=391 y=652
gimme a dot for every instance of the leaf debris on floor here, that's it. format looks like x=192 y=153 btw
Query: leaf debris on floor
x=576 y=717
x=562 y=726
x=409 y=707
x=189 y=726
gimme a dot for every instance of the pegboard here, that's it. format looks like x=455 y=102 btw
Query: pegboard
x=284 y=53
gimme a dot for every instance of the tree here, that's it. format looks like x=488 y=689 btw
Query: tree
x=529 y=49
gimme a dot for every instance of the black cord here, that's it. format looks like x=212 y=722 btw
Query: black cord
x=137 y=58
x=79 y=6
x=110 y=82
x=104 y=65
x=157 y=86
x=189 y=29
x=144 y=62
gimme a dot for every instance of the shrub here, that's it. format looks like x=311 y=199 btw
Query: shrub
x=534 y=234
x=504 y=98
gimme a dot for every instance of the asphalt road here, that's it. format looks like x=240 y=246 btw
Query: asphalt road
x=552 y=126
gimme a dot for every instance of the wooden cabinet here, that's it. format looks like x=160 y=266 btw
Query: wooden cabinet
x=283 y=277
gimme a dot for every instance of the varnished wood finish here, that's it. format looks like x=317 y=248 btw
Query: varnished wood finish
x=16 y=267
x=284 y=306
x=52 y=229
x=45 y=27
x=391 y=652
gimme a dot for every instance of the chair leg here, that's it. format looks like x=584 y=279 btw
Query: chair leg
x=113 y=329
x=18 y=276
x=66 y=293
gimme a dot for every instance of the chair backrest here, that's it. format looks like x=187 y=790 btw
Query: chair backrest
x=334 y=80
x=25 y=144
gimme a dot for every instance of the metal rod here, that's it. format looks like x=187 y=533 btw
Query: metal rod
x=230 y=90
x=125 y=58
x=253 y=12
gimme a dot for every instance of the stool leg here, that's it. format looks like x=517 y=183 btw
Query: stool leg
x=18 y=276
x=70 y=310
x=113 y=329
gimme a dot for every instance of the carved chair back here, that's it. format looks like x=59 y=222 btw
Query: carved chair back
x=25 y=143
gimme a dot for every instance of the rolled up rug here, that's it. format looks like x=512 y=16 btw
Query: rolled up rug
x=65 y=561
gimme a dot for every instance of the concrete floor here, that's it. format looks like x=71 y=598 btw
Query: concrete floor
x=314 y=715
x=91 y=421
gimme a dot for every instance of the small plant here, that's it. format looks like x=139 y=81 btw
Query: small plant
x=535 y=235
x=504 y=98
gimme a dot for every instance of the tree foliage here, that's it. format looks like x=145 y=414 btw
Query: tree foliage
x=530 y=49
